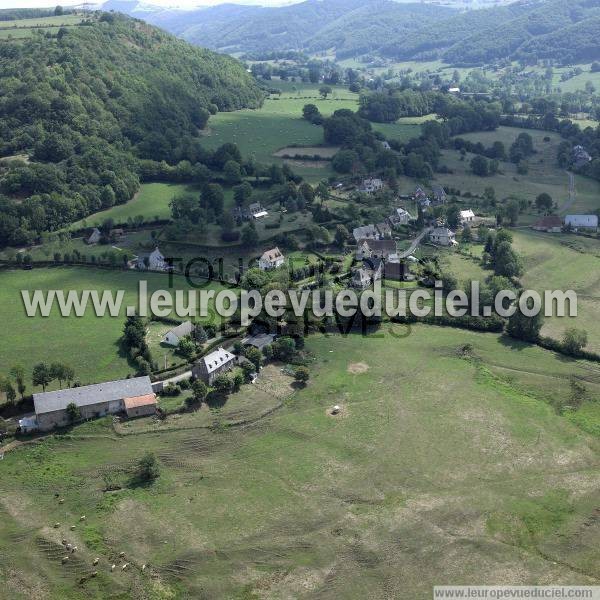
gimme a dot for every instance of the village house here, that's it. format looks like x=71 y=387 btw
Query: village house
x=400 y=217
x=549 y=224
x=467 y=217
x=271 y=259
x=442 y=236
x=375 y=249
x=154 y=261
x=397 y=271
x=94 y=401
x=252 y=211
x=370 y=272
x=384 y=229
x=386 y=145
x=371 y=185
x=259 y=340
x=366 y=232
x=175 y=335
x=213 y=364
x=580 y=157
x=582 y=222
x=94 y=237
x=421 y=197
x=439 y=194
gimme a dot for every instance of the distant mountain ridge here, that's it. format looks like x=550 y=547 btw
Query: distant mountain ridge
x=529 y=29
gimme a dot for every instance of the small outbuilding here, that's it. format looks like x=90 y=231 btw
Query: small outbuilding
x=175 y=335
x=140 y=406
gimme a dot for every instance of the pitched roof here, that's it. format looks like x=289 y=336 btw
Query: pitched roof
x=549 y=222
x=217 y=358
x=272 y=255
x=582 y=220
x=91 y=394
x=464 y=214
x=380 y=245
x=137 y=401
x=182 y=329
x=364 y=232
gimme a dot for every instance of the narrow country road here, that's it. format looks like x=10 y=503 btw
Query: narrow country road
x=415 y=243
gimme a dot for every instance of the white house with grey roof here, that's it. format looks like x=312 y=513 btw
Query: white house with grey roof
x=213 y=364
x=582 y=222
x=175 y=335
x=93 y=401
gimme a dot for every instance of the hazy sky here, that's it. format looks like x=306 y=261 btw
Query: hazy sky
x=169 y=3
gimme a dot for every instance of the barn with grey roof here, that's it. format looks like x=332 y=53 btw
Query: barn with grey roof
x=92 y=401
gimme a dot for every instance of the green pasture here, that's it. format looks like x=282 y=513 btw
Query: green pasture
x=441 y=465
x=89 y=344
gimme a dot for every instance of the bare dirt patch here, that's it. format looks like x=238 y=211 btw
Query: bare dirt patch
x=358 y=368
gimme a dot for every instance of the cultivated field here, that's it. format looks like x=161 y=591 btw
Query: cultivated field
x=424 y=478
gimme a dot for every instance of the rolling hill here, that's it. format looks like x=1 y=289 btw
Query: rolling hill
x=83 y=105
x=528 y=29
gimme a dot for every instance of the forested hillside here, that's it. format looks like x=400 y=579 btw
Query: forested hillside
x=349 y=26
x=544 y=28
x=529 y=29
x=79 y=108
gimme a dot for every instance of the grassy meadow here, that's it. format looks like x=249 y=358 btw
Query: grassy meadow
x=551 y=262
x=423 y=478
x=151 y=201
x=89 y=344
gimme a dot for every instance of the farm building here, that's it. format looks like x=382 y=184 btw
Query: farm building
x=550 y=224
x=94 y=237
x=443 y=236
x=439 y=194
x=140 y=406
x=466 y=216
x=260 y=340
x=213 y=364
x=92 y=401
x=175 y=335
x=375 y=249
x=400 y=217
x=397 y=271
x=384 y=229
x=370 y=186
x=366 y=232
x=369 y=273
x=582 y=222
x=271 y=259
x=154 y=261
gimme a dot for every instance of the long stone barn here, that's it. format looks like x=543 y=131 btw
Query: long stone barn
x=133 y=396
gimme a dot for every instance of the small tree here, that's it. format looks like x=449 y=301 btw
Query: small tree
x=41 y=375
x=574 y=340
x=254 y=355
x=302 y=375
x=199 y=391
x=186 y=348
x=73 y=412
x=222 y=385
x=237 y=380
x=7 y=387
x=325 y=90
x=18 y=374
x=148 y=469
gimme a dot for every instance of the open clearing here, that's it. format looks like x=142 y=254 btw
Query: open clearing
x=552 y=262
x=151 y=202
x=89 y=344
x=425 y=479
